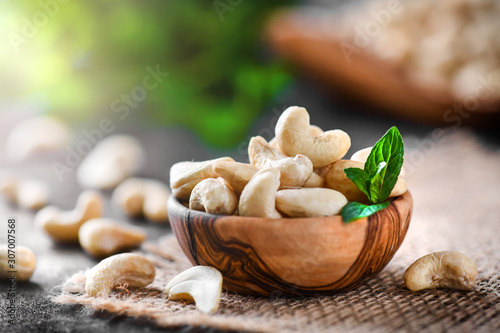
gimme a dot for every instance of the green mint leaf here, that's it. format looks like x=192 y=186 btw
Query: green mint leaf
x=376 y=182
x=360 y=178
x=389 y=150
x=355 y=210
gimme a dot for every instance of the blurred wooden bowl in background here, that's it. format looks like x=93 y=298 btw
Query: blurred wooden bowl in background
x=297 y=37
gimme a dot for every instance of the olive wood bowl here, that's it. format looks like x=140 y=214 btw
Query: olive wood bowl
x=291 y=256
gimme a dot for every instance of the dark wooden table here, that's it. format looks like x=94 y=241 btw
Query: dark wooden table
x=165 y=146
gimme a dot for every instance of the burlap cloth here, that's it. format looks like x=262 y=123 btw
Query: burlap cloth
x=455 y=183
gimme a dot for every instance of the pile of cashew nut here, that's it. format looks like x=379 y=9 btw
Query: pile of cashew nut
x=419 y=38
x=299 y=173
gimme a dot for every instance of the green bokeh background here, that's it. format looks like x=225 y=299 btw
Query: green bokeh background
x=89 y=53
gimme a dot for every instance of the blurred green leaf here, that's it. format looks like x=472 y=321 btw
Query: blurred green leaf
x=91 y=53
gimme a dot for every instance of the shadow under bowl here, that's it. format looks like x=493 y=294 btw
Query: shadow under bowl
x=291 y=256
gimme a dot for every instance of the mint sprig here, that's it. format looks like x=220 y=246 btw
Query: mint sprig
x=355 y=210
x=377 y=179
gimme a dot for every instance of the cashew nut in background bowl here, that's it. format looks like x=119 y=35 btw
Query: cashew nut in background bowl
x=294 y=137
x=24 y=262
x=34 y=135
x=63 y=226
x=336 y=179
x=185 y=175
x=143 y=197
x=27 y=193
x=201 y=284
x=295 y=171
x=258 y=197
x=212 y=195
x=310 y=202
x=235 y=174
x=447 y=269
x=102 y=237
x=127 y=268
x=110 y=162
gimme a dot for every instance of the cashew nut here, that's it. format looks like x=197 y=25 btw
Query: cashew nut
x=315 y=181
x=141 y=196
x=235 y=174
x=27 y=193
x=213 y=196
x=295 y=171
x=64 y=226
x=102 y=237
x=258 y=197
x=314 y=130
x=448 y=269
x=294 y=137
x=110 y=162
x=21 y=258
x=185 y=175
x=126 y=268
x=201 y=284
x=336 y=179
x=37 y=134
x=310 y=202
x=361 y=155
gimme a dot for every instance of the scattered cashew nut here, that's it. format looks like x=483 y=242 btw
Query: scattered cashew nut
x=235 y=174
x=310 y=202
x=258 y=197
x=126 y=268
x=185 y=175
x=295 y=171
x=103 y=237
x=110 y=162
x=24 y=262
x=212 y=195
x=448 y=269
x=28 y=193
x=141 y=196
x=201 y=284
x=37 y=134
x=63 y=226
x=294 y=137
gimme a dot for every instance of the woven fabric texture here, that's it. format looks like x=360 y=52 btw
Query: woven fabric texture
x=455 y=183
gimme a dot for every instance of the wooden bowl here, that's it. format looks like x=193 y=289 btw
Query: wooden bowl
x=291 y=256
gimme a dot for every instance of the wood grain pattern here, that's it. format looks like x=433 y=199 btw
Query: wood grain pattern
x=376 y=83
x=302 y=256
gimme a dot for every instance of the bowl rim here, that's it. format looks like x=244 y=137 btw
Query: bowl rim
x=179 y=203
